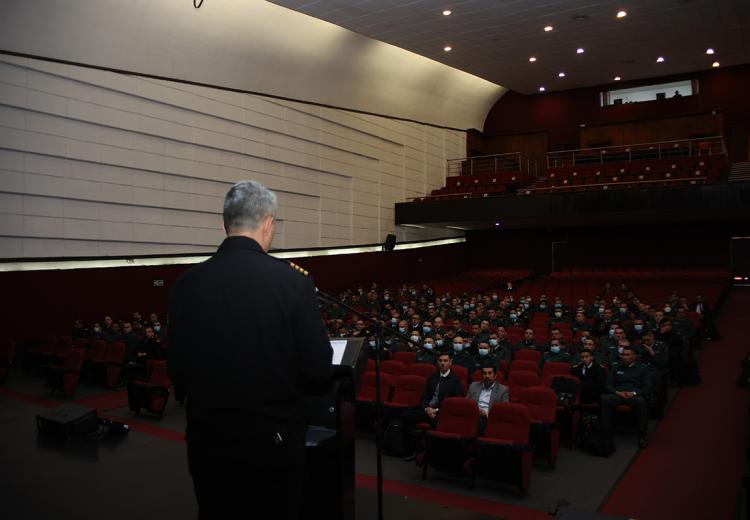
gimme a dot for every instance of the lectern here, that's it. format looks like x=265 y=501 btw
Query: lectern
x=329 y=468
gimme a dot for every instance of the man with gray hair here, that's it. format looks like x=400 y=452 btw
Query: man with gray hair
x=260 y=344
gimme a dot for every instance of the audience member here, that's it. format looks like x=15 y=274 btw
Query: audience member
x=487 y=393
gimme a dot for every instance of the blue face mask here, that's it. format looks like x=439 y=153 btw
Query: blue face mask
x=558 y=314
x=471 y=305
x=439 y=342
x=623 y=310
x=372 y=343
x=415 y=339
x=558 y=305
x=554 y=349
x=394 y=320
x=427 y=330
x=459 y=310
x=467 y=306
x=542 y=306
x=514 y=317
x=467 y=343
x=525 y=305
x=611 y=333
x=638 y=327
x=157 y=328
x=386 y=298
x=402 y=329
x=428 y=346
x=493 y=342
x=483 y=351
x=458 y=347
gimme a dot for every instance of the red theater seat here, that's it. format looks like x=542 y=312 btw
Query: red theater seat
x=152 y=394
x=451 y=443
x=64 y=377
x=503 y=453
x=542 y=405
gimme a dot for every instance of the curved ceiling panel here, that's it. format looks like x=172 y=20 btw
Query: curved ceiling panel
x=252 y=46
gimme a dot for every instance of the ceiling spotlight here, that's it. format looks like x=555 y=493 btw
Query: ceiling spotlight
x=579 y=50
x=447 y=12
x=548 y=28
x=709 y=51
x=447 y=48
x=542 y=89
x=561 y=75
x=660 y=59
x=622 y=14
x=532 y=59
x=617 y=78
x=497 y=224
x=715 y=64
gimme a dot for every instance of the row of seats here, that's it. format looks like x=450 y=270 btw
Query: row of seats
x=482 y=185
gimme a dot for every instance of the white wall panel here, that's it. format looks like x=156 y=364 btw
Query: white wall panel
x=95 y=163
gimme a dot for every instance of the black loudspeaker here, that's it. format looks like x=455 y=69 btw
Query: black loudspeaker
x=68 y=420
x=390 y=242
x=661 y=95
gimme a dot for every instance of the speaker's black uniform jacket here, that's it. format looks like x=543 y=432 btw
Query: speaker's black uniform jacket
x=246 y=337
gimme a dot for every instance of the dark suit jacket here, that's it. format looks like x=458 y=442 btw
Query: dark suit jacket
x=592 y=384
x=245 y=337
x=450 y=386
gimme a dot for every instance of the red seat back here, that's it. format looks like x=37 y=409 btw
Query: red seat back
x=420 y=369
x=392 y=367
x=115 y=352
x=159 y=375
x=367 y=387
x=405 y=356
x=97 y=350
x=554 y=367
x=523 y=365
x=458 y=415
x=64 y=346
x=521 y=379
x=409 y=389
x=541 y=402
x=508 y=422
x=528 y=355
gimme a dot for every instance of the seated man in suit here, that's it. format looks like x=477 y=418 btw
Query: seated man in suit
x=486 y=393
x=592 y=376
x=440 y=385
x=628 y=383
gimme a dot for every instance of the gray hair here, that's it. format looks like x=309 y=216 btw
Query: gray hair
x=246 y=205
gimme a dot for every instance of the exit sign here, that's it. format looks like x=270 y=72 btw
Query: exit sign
x=159 y=283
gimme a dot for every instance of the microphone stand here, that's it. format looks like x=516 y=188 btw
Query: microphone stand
x=379 y=328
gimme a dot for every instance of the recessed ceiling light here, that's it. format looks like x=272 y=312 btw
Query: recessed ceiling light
x=660 y=59
x=447 y=12
x=622 y=14
x=579 y=50
x=532 y=59
x=617 y=78
x=548 y=28
x=709 y=51
x=715 y=64
x=561 y=75
x=542 y=89
x=447 y=48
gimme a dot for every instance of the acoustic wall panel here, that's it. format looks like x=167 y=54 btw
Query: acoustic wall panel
x=95 y=163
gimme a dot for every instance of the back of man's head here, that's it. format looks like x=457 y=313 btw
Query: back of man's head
x=246 y=204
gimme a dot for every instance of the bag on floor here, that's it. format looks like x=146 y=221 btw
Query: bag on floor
x=394 y=439
x=594 y=439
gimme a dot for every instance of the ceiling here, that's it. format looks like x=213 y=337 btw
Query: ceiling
x=493 y=39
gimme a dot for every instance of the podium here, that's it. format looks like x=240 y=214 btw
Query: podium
x=329 y=467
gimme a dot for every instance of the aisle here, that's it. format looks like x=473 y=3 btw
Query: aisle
x=693 y=465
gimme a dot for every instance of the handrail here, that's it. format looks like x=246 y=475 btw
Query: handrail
x=629 y=152
x=640 y=144
x=652 y=181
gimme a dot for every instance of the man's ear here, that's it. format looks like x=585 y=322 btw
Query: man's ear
x=223 y=227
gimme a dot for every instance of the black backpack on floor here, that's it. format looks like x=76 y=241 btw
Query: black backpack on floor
x=394 y=438
x=594 y=439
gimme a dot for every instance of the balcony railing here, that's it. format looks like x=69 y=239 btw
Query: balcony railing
x=491 y=165
x=634 y=152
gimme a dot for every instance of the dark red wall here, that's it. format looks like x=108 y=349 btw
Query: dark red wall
x=562 y=113
x=38 y=302
x=657 y=246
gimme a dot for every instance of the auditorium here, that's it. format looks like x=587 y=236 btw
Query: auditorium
x=519 y=229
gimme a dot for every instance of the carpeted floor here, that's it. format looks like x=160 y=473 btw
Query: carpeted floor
x=693 y=466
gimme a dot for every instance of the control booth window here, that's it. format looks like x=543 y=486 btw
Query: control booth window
x=675 y=89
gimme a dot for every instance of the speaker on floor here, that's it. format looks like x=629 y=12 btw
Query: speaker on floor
x=390 y=242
